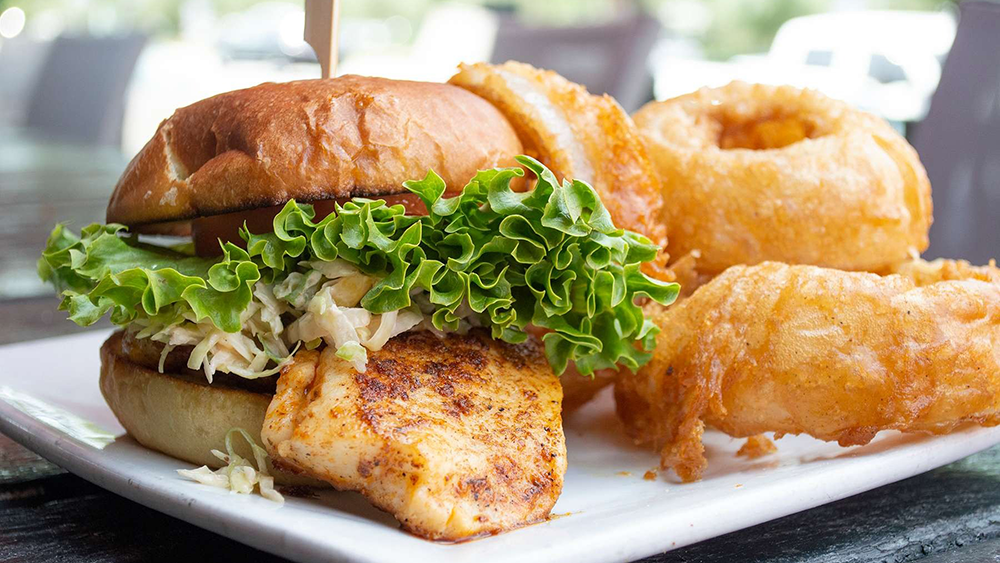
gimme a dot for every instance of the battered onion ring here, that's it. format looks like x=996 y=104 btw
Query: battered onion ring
x=582 y=136
x=753 y=173
x=833 y=354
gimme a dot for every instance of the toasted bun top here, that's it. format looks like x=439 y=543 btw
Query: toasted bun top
x=309 y=140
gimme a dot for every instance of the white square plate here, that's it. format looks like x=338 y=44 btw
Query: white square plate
x=49 y=401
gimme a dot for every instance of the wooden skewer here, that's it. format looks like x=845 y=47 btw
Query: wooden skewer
x=322 y=24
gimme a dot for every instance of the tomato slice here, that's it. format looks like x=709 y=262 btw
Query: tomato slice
x=208 y=231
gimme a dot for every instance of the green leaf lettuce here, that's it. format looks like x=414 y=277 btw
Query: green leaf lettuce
x=550 y=257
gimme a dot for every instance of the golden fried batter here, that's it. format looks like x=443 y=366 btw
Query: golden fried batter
x=756 y=446
x=578 y=389
x=455 y=436
x=753 y=173
x=833 y=354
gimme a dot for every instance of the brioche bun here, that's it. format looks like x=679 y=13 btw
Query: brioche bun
x=180 y=417
x=307 y=140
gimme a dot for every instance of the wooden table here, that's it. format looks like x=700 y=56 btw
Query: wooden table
x=950 y=515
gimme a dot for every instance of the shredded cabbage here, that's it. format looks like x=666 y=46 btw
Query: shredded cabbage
x=324 y=300
x=355 y=354
x=238 y=475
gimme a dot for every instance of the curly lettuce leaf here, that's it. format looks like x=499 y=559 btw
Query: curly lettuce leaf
x=550 y=257
x=101 y=271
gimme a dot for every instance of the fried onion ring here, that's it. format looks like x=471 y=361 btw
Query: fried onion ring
x=753 y=173
x=833 y=354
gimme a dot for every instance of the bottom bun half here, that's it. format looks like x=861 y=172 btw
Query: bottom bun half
x=180 y=417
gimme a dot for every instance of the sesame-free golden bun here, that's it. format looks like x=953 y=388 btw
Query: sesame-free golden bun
x=308 y=140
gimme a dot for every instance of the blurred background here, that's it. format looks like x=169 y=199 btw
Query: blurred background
x=84 y=83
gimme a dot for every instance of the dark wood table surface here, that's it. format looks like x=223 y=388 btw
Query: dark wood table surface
x=949 y=515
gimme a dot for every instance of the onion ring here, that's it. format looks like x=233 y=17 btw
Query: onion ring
x=833 y=354
x=753 y=173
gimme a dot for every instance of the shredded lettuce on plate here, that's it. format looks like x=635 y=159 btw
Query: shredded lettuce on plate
x=490 y=257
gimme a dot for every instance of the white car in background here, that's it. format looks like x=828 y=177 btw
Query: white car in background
x=886 y=62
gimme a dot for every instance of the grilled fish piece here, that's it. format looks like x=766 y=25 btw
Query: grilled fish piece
x=455 y=437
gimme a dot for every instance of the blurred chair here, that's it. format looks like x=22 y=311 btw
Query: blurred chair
x=959 y=141
x=79 y=95
x=607 y=58
x=21 y=61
